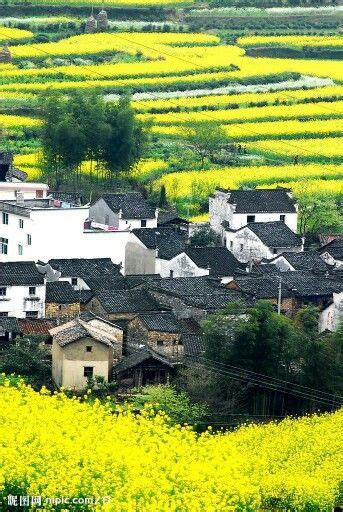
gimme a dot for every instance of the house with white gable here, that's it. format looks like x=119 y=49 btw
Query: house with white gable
x=123 y=211
x=236 y=208
x=22 y=290
x=262 y=240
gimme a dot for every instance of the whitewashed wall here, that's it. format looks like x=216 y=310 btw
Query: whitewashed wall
x=18 y=301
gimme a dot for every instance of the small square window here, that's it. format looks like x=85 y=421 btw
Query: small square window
x=143 y=223
x=21 y=223
x=89 y=348
x=3 y=313
x=250 y=218
x=160 y=343
x=3 y=291
x=231 y=244
x=4 y=218
x=88 y=371
x=74 y=281
x=32 y=290
x=241 y=247
x=282 y=218
x=274 y=251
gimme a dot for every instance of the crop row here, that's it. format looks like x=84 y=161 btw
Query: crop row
x=308 y=149
x=295 y=41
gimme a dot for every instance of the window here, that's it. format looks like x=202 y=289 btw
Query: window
x=3 y=245
x=3 y=313
x=241 y=247
x=20 y=250
x=143 y=223
x=21 y=223
x=89 y=348
x=274 y=251
x=283 y=218
x=32 y=290
x=250 y=218
x=160 y=343
x=74 y=281
x=3 y=291
x=39 y=194
x=29 y=240
x=171 y=273
x=88 y=371
x=4 y=218
x=231 y=244
x=31 y=314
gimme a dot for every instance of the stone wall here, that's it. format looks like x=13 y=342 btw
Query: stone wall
x=61 y=311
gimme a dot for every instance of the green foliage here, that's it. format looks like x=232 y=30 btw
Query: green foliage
x=26 y=357
x=176 y=404
x=318 y=214
x=204 y=237
x=205 y=139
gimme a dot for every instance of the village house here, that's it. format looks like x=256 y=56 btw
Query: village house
x=159 y=331
x=22 y=290
x=76 y=270
x=306 y=260
x=84 y=348
x=123 y=212
x=122 y=304
x=62 y=301
x=142 y=367
x=150 y=250
x=332 y=253
x=262 y=240
x=203 y=261
x=234 y=209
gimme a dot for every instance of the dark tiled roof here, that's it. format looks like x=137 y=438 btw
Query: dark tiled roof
x=220 y=261
x=262 y=200
x=162 y=322
x=9 y=324
x=194 y=345
x=20 y=273
x=7 y=206
x=262 y=287
x=307 y=260
x=36 y=326
x=139 y=357
x=132 y=204
x=16 y=173
x=185 y=286
x=75 y=330
x=85 y=296
x=127 y=301
x=275 y=234
x=264 y=269
x=334 y=248
x=213 y=301
x=84 y=267
x=106 y=283
x=61 y=292
x=166 y=240
x=170 y=217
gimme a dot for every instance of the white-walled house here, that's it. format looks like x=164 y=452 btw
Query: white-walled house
x=124 y=211
x=262 y=240
x=40 y=230
x=307 y=260
x=13 y=191
x=236 y=208
x=330 y=316
x=332 y=253
x=22 y=290
x=202 y=261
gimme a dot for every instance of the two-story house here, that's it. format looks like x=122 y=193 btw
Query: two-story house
x=236 y=208
x=123 y=212
x=22 y=290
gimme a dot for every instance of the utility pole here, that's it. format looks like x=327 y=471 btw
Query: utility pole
x=279 y=297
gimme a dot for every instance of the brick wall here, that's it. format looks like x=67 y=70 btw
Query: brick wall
x=61 y=311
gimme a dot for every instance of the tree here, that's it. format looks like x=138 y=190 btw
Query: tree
x=317 y=213
x=204 y=237
x=163 y=197
x=205 y=139
x=176 y=404
x=128 y=137
x=26 y=357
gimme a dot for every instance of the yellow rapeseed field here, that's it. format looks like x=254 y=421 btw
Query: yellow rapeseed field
x=307 y=148
x=297 y=41
x=8 y=34
x=54 y=446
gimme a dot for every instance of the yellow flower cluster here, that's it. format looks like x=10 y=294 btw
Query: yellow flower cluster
x=331 y=148
x=54 y=446
x=215 y=101
x=304 y=187
x=203 y=183
x=8 y=34
x=9 y=121
x=297 y=41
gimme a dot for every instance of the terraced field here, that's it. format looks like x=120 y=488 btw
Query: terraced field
x=277 y=111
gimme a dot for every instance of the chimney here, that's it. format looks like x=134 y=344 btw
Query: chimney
x=19 y=198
